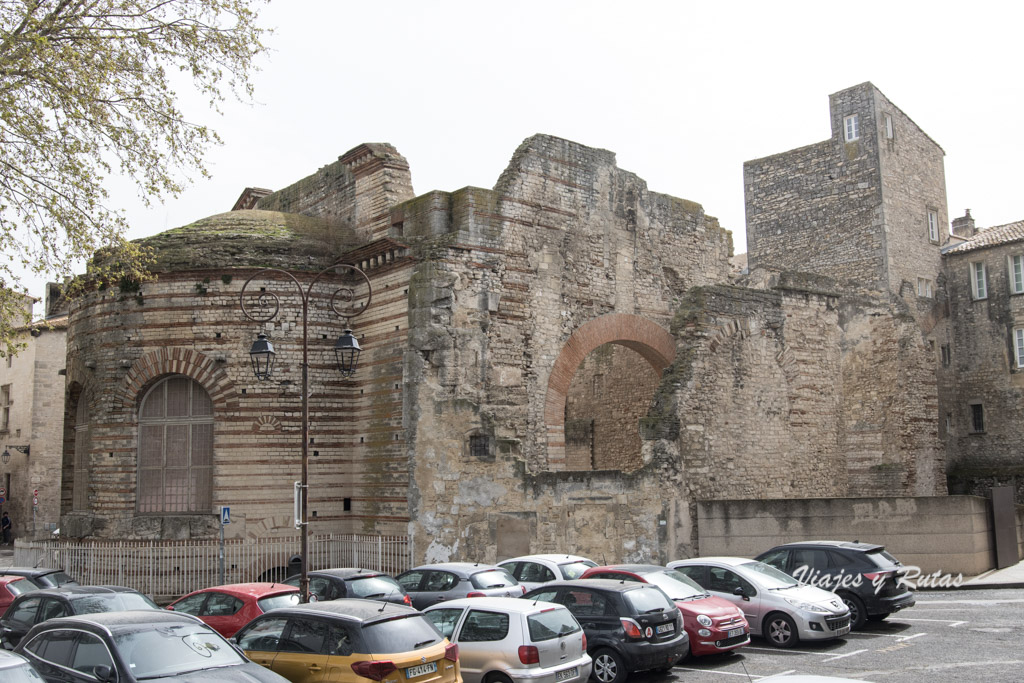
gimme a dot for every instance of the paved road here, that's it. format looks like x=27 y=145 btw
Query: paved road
x=950 y=636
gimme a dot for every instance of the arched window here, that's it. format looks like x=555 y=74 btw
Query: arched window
x=175 y=448
x=80 y=475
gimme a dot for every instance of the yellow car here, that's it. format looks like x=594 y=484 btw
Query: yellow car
x=350 y=641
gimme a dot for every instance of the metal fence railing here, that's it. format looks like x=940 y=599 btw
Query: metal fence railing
x=172 y=568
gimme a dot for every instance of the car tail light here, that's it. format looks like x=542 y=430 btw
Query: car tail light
x=451 y=652
x=631 y=628
x=376 y=670
x=873 y=576
x=407 y=600
x=584 y=642
x=524 y=589
x=475 y=594
x=529 y=654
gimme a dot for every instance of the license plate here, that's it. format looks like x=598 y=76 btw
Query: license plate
x=666 y=628
x=567 y=674
x=735 y=632
x=843 y=631
x=414 y=671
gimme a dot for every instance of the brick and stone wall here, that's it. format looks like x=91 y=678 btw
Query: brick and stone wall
x=985 y=369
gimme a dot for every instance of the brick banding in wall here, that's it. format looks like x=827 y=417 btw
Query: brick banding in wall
x=641 y=335
x=176 y=361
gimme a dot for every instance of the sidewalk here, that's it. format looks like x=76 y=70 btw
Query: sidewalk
x=1010 y=577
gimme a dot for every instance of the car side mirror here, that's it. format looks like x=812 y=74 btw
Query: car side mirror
x=103 y=673
x=741 y=593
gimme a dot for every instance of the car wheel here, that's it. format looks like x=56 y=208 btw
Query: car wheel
x=858 y=615
x=608 y=667
x=877 y=617
x=781 y=631
x=496 y=677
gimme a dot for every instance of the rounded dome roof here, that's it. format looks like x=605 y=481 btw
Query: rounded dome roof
x=250 y=238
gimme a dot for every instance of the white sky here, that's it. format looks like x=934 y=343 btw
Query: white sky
x=682 y=92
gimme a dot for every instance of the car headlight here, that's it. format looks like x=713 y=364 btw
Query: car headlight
x=703 y=620
x=806 y=606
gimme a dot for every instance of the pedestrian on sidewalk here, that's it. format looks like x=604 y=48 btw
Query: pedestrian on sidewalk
x=5 y=526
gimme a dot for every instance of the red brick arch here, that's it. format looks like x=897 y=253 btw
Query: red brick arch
x=177 y=361
x=641 y=335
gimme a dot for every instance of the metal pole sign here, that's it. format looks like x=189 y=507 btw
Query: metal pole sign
x=225 y=518
x=225 y=514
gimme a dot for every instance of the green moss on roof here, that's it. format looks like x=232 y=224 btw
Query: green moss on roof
x=250 y=238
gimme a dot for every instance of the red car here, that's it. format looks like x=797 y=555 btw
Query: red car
x=11 y=587
x=228 y=608
x=712 y=623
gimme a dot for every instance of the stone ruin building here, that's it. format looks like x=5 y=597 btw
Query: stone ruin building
x=566 y=361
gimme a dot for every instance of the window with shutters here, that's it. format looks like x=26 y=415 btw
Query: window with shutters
x=175 y=448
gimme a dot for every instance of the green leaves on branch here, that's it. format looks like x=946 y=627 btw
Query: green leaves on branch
x=87 y=92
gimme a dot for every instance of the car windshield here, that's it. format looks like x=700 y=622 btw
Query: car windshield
x=400 y=634
x=882 y=559
x=375 y=587
x=111 y=602
x=492 y=578
x=283 y=600
x=647 y=599
x=676 y=585
x=56 y=580
x=171 y=649
x=574 y=570
x=23 y=586
x=768 y=576
x=551 y=623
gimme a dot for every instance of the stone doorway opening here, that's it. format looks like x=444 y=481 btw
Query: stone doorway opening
x=600 y=386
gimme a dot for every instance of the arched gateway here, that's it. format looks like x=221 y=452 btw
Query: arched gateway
x=638 y=334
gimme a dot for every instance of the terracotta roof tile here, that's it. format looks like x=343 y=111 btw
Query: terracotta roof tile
x=990 y=237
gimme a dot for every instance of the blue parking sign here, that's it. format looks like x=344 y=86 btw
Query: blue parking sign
x=225 y=514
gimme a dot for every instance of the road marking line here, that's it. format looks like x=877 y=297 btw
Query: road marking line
x=712 y=671
x=790 y=652
x=970 y=602
x=952 y=623
x=916 y=635
x=848 y=654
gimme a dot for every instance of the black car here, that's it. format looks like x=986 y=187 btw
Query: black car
x=864 y=575
x=350 y=582
x=132 y=646
x=42 y=577
x=30 y=609
x=629 y=626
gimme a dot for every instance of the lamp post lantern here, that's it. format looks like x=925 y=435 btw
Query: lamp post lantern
x=346 y=350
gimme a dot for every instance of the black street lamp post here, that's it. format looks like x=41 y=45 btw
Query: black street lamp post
x=346 y=351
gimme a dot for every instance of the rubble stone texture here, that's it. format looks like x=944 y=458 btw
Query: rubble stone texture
x=564 y=362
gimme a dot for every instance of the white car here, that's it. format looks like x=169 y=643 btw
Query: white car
x=503 y=639
x=777 y=606
x=534 y=571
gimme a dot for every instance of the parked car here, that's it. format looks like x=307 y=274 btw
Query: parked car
x=16 y=669
x=713 y=624
x=11 y=587
x=430 y=584
x=349 y=582
x=533 y=571
x=865 y=576
x=33 y=608
x=133 y=646
x=229 y=607
x=43 y=577
x=510 y=638
x=351 y=640
x=776 y=606
x=630 y=626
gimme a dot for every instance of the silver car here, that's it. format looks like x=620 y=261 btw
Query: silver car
x=534 y=571
x=509 y=638
x=430 y=584
x=777 y=606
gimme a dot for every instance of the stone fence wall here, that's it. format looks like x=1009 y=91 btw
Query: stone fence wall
x=949 y=534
